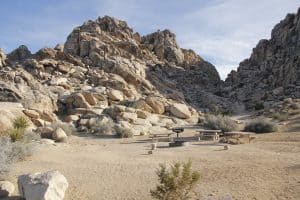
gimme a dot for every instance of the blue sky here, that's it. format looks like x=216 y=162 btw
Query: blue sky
x=221 y=31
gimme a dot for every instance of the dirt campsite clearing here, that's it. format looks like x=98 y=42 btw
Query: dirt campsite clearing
x=268 y=168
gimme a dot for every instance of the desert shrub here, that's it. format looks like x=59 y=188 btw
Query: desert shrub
x=21 y=123
x=104 y=127
x=259 y=106
x=68 y=129
x=280 y=116
x=124 y=132
x=5 y=150
x=30 y=136
x=261 y=126
x=11 y=152
x=175 y=183
x=219 y=122
x=19 y=127
x=16 y=134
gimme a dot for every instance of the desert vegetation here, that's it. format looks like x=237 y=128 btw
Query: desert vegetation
x=19 y=127
x=261 y=126
x=105 y=126
x=16 y=144
x=219 y=122
x=123 y=132
x=280 y=116
x=175 y=182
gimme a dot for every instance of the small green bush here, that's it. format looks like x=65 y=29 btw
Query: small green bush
x=16 y=134
x=280 y=116
x=219 y=122
x=124 y=132
x=261 y=126
x=21 y=123
x=175 y=183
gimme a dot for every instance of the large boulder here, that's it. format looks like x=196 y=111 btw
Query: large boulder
x=89 y=97
x=50 y=185
x=180 y=111
x=156 y=104
x=115 y=95
x=31 y=113
x=59 y=135
x=77 y=100
x=142 y=105
x=6 y=189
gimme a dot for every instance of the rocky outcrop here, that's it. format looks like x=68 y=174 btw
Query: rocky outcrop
x=18 y=55
x=106 y=73
x=163 y=44
x=153 y=63
x=272 y=72
x=2 y=58
x=48 y=186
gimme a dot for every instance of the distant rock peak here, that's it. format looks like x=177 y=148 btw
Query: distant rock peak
x=19 y=54
x=273 y=70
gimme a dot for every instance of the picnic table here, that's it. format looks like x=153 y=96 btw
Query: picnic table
x=176 y=130
x=237 y=135
x=160 y=135
x=213 y=134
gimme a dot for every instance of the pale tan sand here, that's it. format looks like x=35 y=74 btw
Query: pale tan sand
x=96 y=169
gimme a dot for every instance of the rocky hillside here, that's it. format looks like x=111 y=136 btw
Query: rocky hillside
x=154 y=59
x=106 y=73
x=272 y=73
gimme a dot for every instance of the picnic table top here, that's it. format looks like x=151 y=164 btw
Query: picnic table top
x=191 y=126
x=239 y=133
x=160 y=134
x=209 y=131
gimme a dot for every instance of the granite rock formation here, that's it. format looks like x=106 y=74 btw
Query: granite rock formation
x=105 y=73
x=272 y=73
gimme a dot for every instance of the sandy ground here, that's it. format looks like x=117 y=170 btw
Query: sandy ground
x=98 y=168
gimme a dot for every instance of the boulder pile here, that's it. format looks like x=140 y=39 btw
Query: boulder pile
x=106 y=72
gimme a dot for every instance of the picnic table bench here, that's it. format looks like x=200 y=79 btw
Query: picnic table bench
x=213 y=134
x=237 y=135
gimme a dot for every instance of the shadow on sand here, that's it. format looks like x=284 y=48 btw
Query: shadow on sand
x=12 y=198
